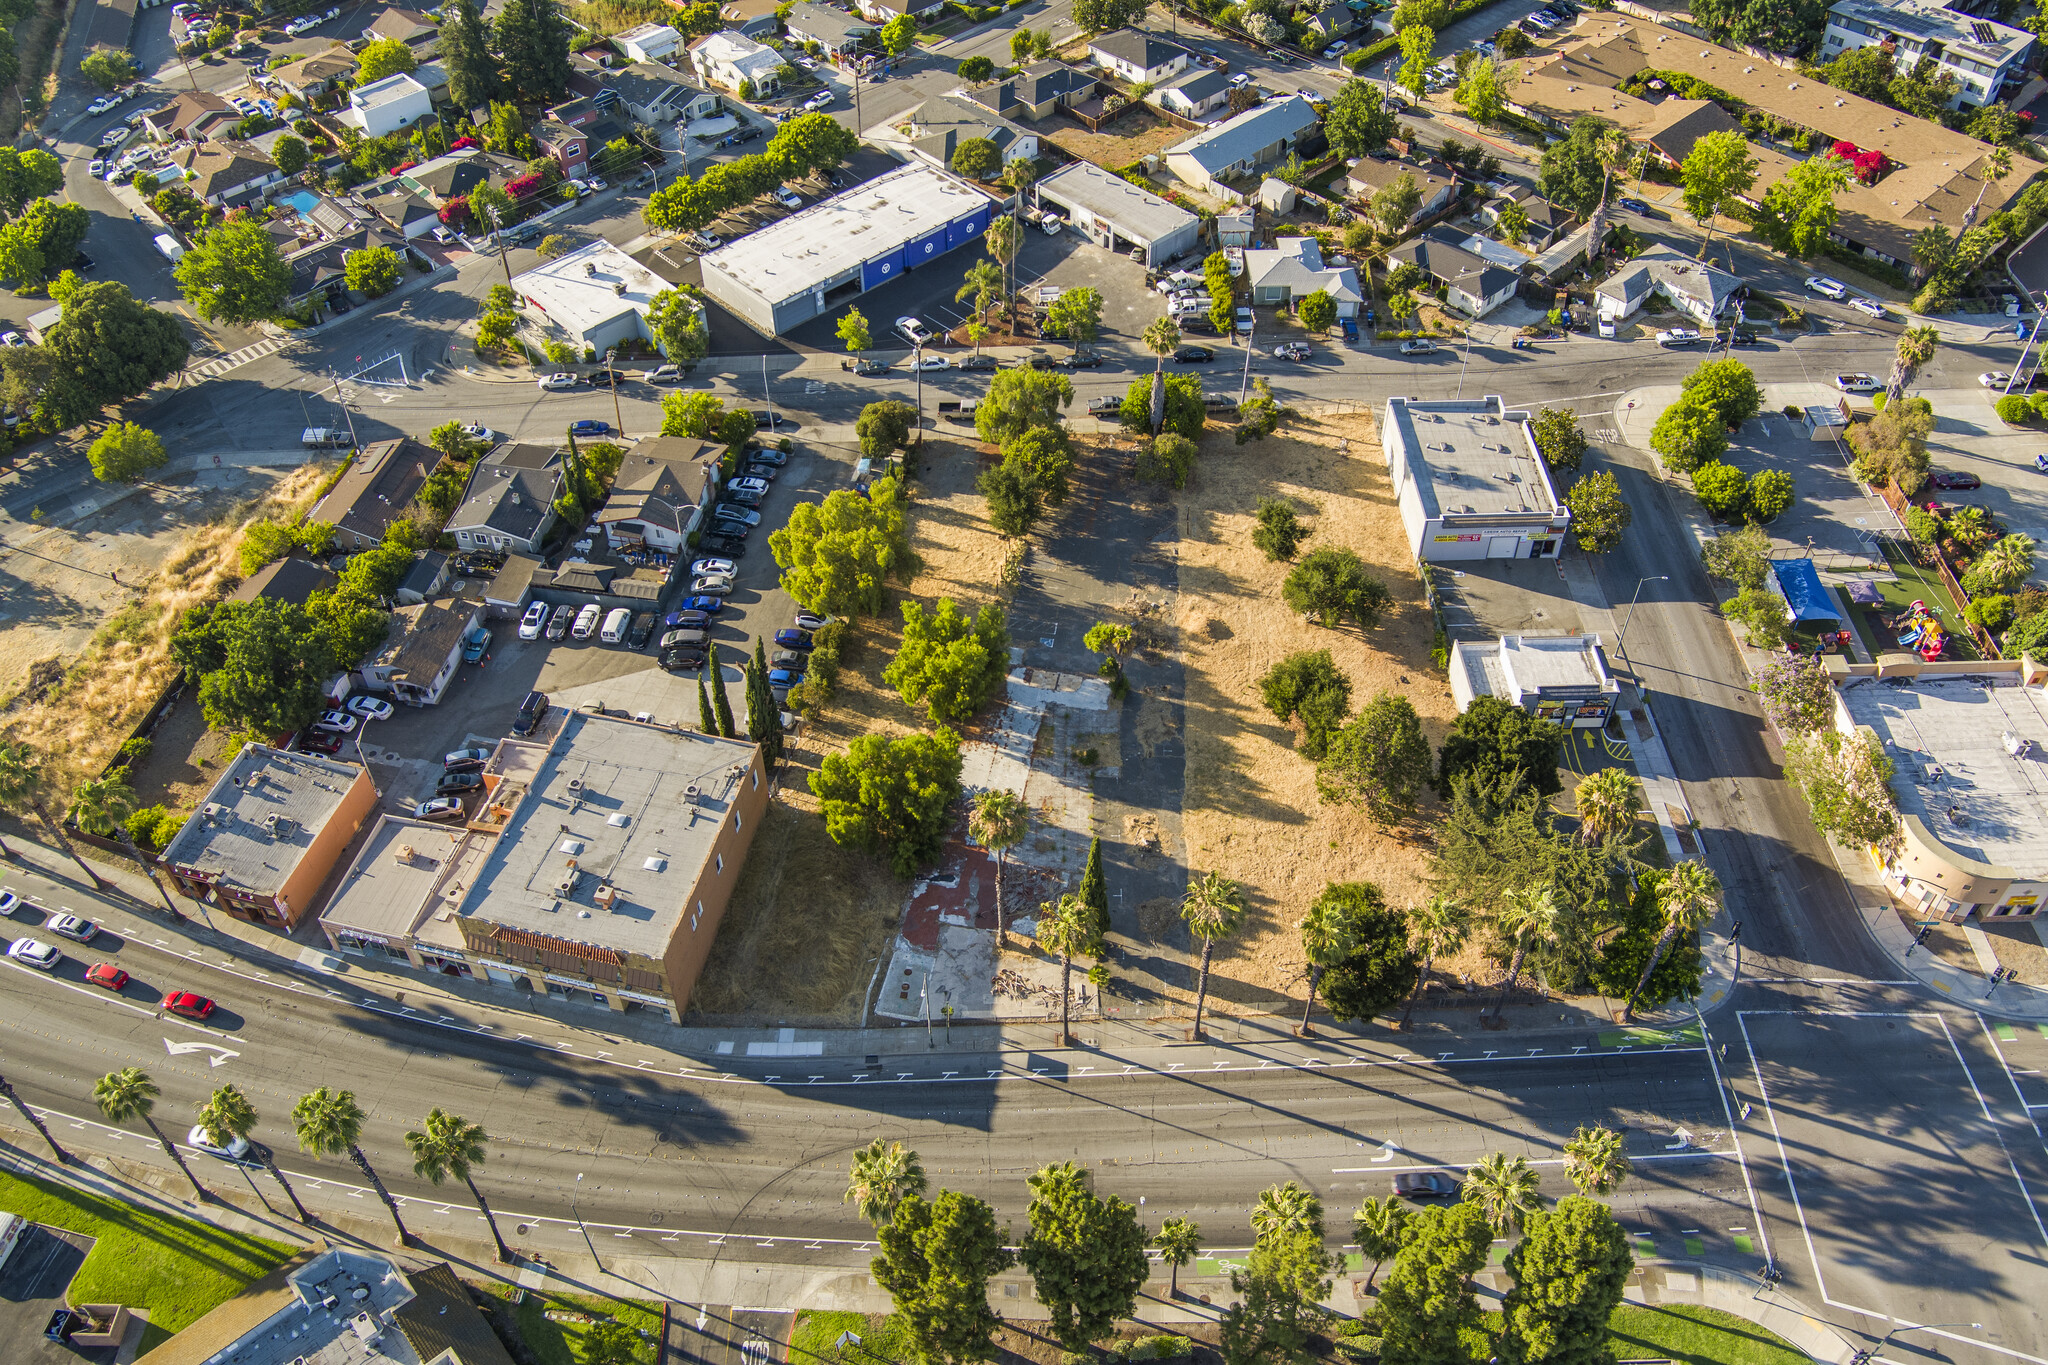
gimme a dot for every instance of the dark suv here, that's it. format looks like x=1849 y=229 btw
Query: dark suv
x=531 y=710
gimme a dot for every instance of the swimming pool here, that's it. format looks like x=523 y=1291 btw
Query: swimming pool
x=302 y=200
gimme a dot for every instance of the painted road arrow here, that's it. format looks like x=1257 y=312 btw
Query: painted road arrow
x=219 y=1058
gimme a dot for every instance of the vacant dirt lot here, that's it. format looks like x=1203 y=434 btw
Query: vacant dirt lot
x=1139 y=132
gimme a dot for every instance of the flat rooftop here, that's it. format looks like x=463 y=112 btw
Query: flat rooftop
x=835 y=235
x=261 y=817
x=1946 y=740
x=634 y=806
x=397 y=877
x=1471 y=458
x=1116 y=199
x=1555 y=662
x=357 y=1330
x=582 y=289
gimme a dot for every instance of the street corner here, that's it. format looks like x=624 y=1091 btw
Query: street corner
x=1637 y=410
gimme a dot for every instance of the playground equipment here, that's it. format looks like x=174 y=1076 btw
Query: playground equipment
x=1923 y=632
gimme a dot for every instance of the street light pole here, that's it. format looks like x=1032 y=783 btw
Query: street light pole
x=1619 y=647
x=1864 y=1357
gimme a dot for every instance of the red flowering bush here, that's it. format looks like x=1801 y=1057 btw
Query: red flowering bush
x=523 y=185
x=463 y=142
x=455 y=211
x=1845 y=150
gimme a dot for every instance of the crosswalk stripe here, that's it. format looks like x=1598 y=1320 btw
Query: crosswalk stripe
x=234 y=361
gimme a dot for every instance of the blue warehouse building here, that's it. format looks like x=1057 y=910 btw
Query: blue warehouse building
x=818 y=260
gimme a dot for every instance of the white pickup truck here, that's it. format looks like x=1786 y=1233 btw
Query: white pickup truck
x=324 y=438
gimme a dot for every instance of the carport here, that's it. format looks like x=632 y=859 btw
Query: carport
x=1113 y=213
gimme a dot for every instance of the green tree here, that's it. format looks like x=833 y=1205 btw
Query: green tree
x=976 y=69
x=1762 y=616
x=1379 y=970
x=1505 y=1188
x=1185 y=414
x=228 y=1115
x=129 y=1094
x=1212 y=909
x=1003 y=238
x=1331 y=585
x=464 y=52
x=1599 y=516
x=1569 y=1272
x=1718 y=172
x=1770 y=495
x=1690 y=433
x=447 y=1144
x=234 y=275
x=853 y=332
x=1493 y=738
x=1380 y=761
x=1086 y=1254
x=675 y=317
x=1728 y=387
x=947 y=663
x=1067 y=928
x=937 y=1259
x=1329 y=934
x=835 y=555
x=764 y=717
x=1179 y=1241
x=1357 y=121
x=1307 y=685
x=1279 y=531
x=721 y=703
x=1318 y=312
x=1014 y=501
x=884 y=428
x=1018 y=400
x=1572 y=174
x=1161 y=338
x=24 y=785
x=1378 y=1228
x=1437 y=926
x=884 y=1174
x=891 y=796
x=330 y=1123
x=291 y=154
x=1427 y=1305
x=1527 y=917
x=107 y=347
x=107 y=67
x=534 y=42
x=1847 y=784
x=706 y=722
x=898 y=34
x=1865 y=71
x=1486 y=87
x=1095 y=888
x=1513 y=222
x=1168 y=458
x=1560 y=439
x=373 y=270
x=1416 y=43
x=261 y=665
x=1742 y=557
x=1076 y=315
x=40 y=242
x=983 y=283
x=125 y=452
x=1594 y=1160
x=998 y=821
x=383 y=57
x=1109 y=639
x=1393 y=208
x=977 y=159
x=1722 y=489
x=1046 y=455
x=1798 y=211
x=26 y=175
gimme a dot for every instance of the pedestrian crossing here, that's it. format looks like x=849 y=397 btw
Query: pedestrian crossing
x=235 y=360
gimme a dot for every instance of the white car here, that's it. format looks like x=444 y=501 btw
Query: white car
x=555 y=383
x=1856 y=383
x=101 y=105
x=586 y=621
x=789 y=199
x=1234 y=255
x=707 y=566
x=336 y=723
x=749 y=484
x=34 y=953
x=1678 y=336
x=115 y=136
x=1241 y=78
x=9 y=903
x=477 y=431
x=530 y=624
x=711 y=585
x=595 y=184
x=236 y=1150
x=822 y=100
x=1245 y=321
x=931 y=362
x=77 y=928
x=580 y=187
x=913 y=331
x=1994 y=379
x=370 y=708
x=96 y=168
x=1869 y=307
x=12 y=339
x=1606 y=328
x=1336 y=49
x=1821 y=284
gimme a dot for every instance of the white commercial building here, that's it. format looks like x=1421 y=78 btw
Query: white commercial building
x=1112 y=212
x=1982 y=55
x=594 y=296
x=1558 y=678
x=725 y=58
x=831 y=253
x=1469 y=481
x=385 y=106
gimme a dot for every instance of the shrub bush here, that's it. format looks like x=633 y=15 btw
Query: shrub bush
x=1922 y=525
x=1793 y=413
x=136 y=750
x=2013 y=410
x=1993 y=611
x=1160 y=1347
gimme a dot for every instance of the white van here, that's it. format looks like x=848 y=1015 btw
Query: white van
x=12 y=1226
x=167 y=247
x=616 y=625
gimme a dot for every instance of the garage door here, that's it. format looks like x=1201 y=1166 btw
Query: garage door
x=1502 y=547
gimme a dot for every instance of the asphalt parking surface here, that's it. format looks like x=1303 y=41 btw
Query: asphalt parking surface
x=32 y=1287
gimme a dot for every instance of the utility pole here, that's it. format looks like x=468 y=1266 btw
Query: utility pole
x=343 y=403
x=499 y=233
x=1244 y=390
x=612 y=375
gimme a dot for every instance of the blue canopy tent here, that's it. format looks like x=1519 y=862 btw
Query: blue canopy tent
x=1805 y=595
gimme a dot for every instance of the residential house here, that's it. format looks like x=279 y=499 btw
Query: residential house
x=410 y=27
x=1472 y=283
x=568 y=147
x=424 y=580
x=934 y=130
x=1035 y=92
x=1547 y=222
x=649 y=43
x=374 y=491
x=579 y=112
x=1983 y=56
x=834 y=30
x=1699 y=289
x=1675 y=125
x=193 y=116
x=1137 y=56
x=1293 y=270
x=750 y=18
x=882 y=11
x=510 y=503
x=320 y=271
x=1438 y=182
x=225 y=174
x=423 y=650
x=1257 y=137
x=1331 y=23
x=311 y=78
x=402 y=210
x=293 y=579
x=726 y=59
x=1193 y=94
x=385 y=106
x=654 y=94
x=659 y=494
x=453 y=176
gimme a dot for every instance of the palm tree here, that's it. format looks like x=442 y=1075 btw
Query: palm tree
x=102 y=806
x=1377 y=1227
x=23 y=786
x=1999 y=163
x=1329 y=934
x=228 y=1115
x=1437 y=926
x=452 y=1145
x=997 y=821
x=1594 y=1160
x=1179 y=1241
x=1916 y=347
x=983 y=284
x=1607 y=804
x=129 y=1094
x=1615 y=152
x=35 y=1121
x=1283 y=1210
x=1689 y=898
x=1003 y=238
x=330 y=1123
x=1161 y=338
x=1528 y=918
x=1504 y=1188
x=1212 y=910
x=884 y=1175
x=2011 y=556
x=1066 y=927
x=1931 y=246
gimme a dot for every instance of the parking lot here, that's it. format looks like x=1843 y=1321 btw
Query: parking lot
x=32 y=1289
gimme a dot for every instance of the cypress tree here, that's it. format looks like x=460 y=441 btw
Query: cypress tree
x=465 y=52
x=764 y=717
x=1094 y=891
x=721 y=705
x=704 y=719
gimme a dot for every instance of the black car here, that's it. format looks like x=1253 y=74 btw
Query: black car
x=766 y=473
x=677 y=661
x=465 y=765
x=1082 y=360
x=977 y=362
x=1199 y=324
x=1426 y=1185
x=1741 y=336
x=605 y=379
x=1040 y=361
x=728 y=547
x=643 y=627
x=775 y=421
x=725 y=530
x=455 y=783
x=746 y=134
x=740 y=497
x=1193 y=355
x=762 y=455
x=84 y=264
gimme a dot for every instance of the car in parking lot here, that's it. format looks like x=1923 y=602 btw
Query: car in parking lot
x=476 y=645
x=784 y=677
x=788 y=658
x=712 y=565
x=440 y=808
x=727 y=511
x=451 y=784
x=77 y=928
x=643 y=628
x=558 y=622
x=810 y=620
x=711 y=585
x=9 y=903
x=687 y=660
x=312 y=741
x=590 y=426
x=586 y=621
x=755 y=470
x=531 y=624
x=336 y=723
x=1292 y=350
x=31 y=952
x=727 y=529
x=732 y=547
x=772 y=421
x=370 y=708
x=696 y=620
x=1426 y=1185
x=1192 y=355
x=913 y=331
x=794 y=639
x=1857 y=383
x=107 y=977
x=706 y=602
x=188 y=1005
x=765 y=455
x=749 y=498
x=789 y=198
x=1954 y=478
x=556 y=383
x=1867 y=307
x=1831 y=288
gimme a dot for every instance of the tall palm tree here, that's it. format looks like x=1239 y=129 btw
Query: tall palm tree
x=1504 y=1187
x=1999 y=164
x=1003 y=238
x=1377 y=1227
x=228 y=1115
x=1161 y=339
x=1528 y=918
x=23 y=786
x=451 y=1145
x=1212 y=910
x=1066 y=927
x=102 y=806
x=35 y=1121
x=1616 y=153
x=1595 y=1161
x=984 y=284
x=330 y=1123
x=884 y=1175
x=1283 y=1210
x=1916 y=347
x=1607 y=804
x=1689 y=898
x=1329 y=934
x=999 y=820
x=1179 y=1241
x=1931 y=246
x=129 y=1094
x=2010 y=556
x=1437 y=926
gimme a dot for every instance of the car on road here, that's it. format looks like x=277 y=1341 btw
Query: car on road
x=556 y=383
x=461 y=756
x=237 y=1149
x=1868 y=307
x=12 y=339
x=107 y=977
x=531 y=624
x=477 y=431
x=1311 y=96
x=370 y=708
x=1336 y=49
x=1954 y=478
x=1106 y=406
x=440 y=808
x=115 y=136
x=101 y=105
x=1857 y=383
x=336 y=722
x=1831 y=288
x=1192 y=355
x=1633 y=205
x=558 y=623
x=188 y=1005
x=732 y=547
x=1678 y=336
x=711 y=585
x=31 y=952
x=664 y=374
x=586 y=621
x=822 y=100
x=1418 y=347
x=452 y=784
x=1426 y=1185
x=1737 y=336
x=1081 y=360
x=707 y=602
x=794 y=639
x=1994 y=379
x=977 y=362
x=772 y=421
x=9 y=903
x=1292 y=350
x=590 y=426
x=930 y=362
x=96 y=168
x=77 y=928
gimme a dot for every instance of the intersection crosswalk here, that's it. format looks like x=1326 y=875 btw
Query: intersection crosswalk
x=220 y=365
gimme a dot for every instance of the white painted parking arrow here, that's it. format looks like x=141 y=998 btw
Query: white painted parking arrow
x=219 y=1058
x=1387 y=1152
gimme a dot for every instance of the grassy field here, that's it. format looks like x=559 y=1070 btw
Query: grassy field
x=176 y=1268
x=815 y=1336
x=1696 y=1336
x=554 y=1326
x=1915 y=583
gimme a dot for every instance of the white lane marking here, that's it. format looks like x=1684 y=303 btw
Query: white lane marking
x=216 y=1054
x=1387 y=1152
x=1694 y=1155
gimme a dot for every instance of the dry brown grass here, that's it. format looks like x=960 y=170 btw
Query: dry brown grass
x=1138 y=132
x=78 y=724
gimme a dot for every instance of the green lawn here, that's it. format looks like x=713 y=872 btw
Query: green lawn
x=815 y=1333
x=1687 y=1335
x=558 y=1339
x=1915 y=583
x=176 y=1268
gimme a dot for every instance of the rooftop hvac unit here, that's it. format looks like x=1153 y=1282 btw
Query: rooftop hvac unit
x=280 y=826
x=404 y=853
x=692 y=793
x=575 y=785
x=365 y=1327
x=606 y=895
x=590 y=269
x=214 y=810
x=566 y=887
x=620 y=289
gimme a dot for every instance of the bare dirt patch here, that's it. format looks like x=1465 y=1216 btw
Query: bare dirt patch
x=1138 y=132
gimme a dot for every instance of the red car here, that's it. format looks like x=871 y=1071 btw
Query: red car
x=108 y=975
x=1949 y=478
x=187 y=1004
